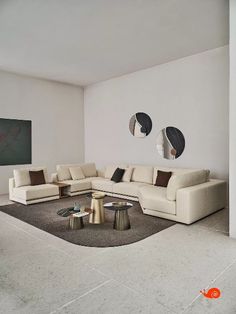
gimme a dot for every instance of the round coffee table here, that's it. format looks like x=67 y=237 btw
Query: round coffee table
x=121 y=219
x=97 y=216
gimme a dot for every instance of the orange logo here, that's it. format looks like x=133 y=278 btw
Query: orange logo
x=213 y=293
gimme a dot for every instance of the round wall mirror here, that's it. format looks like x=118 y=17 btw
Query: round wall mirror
x=170 y=143
x=140 y=124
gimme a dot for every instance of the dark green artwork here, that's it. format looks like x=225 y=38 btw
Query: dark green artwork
x=15 y=142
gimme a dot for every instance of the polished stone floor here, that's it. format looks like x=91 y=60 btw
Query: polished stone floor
x=164 y=273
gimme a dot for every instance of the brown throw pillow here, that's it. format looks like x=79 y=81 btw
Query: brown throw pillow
x=163 y=178
x=37 y=177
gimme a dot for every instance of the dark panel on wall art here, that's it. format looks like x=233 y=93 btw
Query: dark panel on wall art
x=170 y=143
x=140 y=124
x=15 y=142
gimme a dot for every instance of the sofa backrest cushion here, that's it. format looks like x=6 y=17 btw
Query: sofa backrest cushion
x=169 y=169
x=76 y=173
x=142 y=174
x=22 y=177
x=101 y=173
x=63 y=172
x=89 y=169
x=110 y=169
x=183 y=180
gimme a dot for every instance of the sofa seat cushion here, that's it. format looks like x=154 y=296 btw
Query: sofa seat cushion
x=128 y=188
x=154 y=198
x=78 y=185
x=36 y=191
x=103 y=184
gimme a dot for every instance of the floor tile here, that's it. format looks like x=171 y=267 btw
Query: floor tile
x=9 y=303
x=14 y=242
x=226 y=303
x=113 y=298
x=216 y=222
x=44 y=278
x=82 y=252
x=173 y=266
x=40 y=273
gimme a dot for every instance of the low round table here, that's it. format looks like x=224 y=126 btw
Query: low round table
x=121 y=219
x=97 y=216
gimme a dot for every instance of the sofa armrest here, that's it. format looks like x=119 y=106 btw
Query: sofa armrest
x=184 y=180
x=54 y=177
x=198 y=201
x=11 y=187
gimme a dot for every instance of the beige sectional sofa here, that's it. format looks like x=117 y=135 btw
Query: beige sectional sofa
x=189 y=196
x=21 y=191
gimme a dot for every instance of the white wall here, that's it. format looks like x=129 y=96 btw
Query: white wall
x=232 y=163
x=190 y=93
x=56 y=111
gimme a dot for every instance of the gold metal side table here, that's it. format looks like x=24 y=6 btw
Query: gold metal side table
x=98 y=214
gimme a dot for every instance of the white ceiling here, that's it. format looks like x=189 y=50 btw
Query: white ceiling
x=86 y=41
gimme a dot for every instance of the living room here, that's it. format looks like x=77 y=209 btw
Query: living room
x=117 y=144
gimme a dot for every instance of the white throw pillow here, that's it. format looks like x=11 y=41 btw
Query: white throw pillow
x=179 y=181
x=76 y=173
x=63 y=173
x=128 y=174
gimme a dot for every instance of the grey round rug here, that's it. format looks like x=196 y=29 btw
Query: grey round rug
x=44 y=216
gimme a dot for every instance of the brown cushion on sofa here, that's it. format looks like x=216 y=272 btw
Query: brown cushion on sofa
x=37 y=177
x=163 y=178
